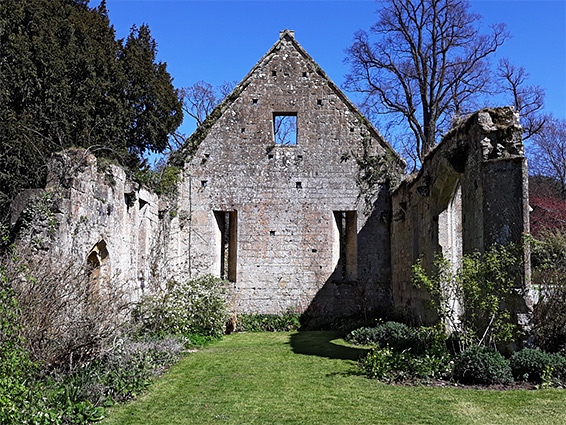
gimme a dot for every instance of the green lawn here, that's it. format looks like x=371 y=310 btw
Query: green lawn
x=312 y=378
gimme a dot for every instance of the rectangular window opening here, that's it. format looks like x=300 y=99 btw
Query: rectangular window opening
x=254 y=101
x=226 y=244
x=345 y=246
x=285 y=129
x=274 y=73
x=319 y=102
x=304 y=75
x=298 y=185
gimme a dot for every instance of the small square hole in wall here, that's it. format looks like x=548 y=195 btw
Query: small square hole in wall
x=204 y=183
x=300 y=157
x=304 y=75
x=254 y=101
x=299 y=185
x=319 y=102
x=273 y=73
x=270 y=157
x=243 y=130
x=272 y=233
x=351 y=129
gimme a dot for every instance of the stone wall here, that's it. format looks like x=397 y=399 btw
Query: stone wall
x=470 y=194
x=309 y=224
x=285 y=201
x=93 y=215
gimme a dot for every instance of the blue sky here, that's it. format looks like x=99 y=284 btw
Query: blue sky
x=220 y=41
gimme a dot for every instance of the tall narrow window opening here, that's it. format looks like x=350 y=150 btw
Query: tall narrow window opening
x=346 y=245
x=450 y=228
x=285 y=128
x=96 y=261
x=226 y=244
x=450 y=244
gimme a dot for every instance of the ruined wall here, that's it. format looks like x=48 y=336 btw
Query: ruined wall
x=308 y=223
x=96 y=217
x=470 y=193
x=281 y=202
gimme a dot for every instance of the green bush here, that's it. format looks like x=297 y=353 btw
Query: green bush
x=62 y=355
x=196 y=306
x=529 y=364
x=365 y=336
x=482 y=365
x=20 y=398
x=422 y=340
x=391 y=333
x=386 y=364
x=287 y=321
x=548 y=257
x=483 y=285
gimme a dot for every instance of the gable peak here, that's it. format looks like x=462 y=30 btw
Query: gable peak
x=288 y=33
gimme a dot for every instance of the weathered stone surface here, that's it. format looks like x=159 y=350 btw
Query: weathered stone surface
x=285 y=196
x=470 y=194
x=309 y=225
x=100 y=218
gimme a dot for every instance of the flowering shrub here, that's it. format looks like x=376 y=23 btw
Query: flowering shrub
x=197 y=306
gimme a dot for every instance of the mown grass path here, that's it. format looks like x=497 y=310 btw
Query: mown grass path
x=312 y=378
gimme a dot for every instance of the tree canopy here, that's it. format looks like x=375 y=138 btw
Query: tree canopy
x=548 y=152
x=424 y=62
x=66 y=81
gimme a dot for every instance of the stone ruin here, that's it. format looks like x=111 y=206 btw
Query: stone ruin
x=289 y=193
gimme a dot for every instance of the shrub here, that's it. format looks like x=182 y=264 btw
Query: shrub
x=378 y=363
x=385 y=364
x=64 y=313
x=196 y=306
x=422 y=340
x=529 y=364
x=558 y=364
x=482 y=286
x=364 y=336
x=121 y=372
x=482 y=365
x=287 y=321
x=63 y=353
x=548 y=255
x=386 y=333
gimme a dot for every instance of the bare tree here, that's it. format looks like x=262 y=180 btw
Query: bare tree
x=528 y=100
x=201 y=98
x=428 y=63
x=548 y=152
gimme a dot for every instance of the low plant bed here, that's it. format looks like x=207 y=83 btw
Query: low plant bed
x=312 y=377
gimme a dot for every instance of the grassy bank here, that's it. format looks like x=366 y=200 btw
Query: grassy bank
x=312 y=378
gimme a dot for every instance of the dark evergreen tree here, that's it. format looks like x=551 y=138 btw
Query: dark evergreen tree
x=65 y=81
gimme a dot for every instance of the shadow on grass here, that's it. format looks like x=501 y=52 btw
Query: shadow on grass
x=321 y=343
